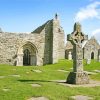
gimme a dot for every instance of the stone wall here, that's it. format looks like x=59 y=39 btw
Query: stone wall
x=58 y=41
x=10 y=43
x=54 y=49
x=91 y=48
x=47 y=42
x=61 y=43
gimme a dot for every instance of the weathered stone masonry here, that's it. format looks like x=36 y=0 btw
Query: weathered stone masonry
x=40 y=47
x=11 y=47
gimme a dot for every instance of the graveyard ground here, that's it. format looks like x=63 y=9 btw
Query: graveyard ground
x=23 y=83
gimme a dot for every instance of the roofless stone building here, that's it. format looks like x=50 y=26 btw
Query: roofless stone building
x=45 y=45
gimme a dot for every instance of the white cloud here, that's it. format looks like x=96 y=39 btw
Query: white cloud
x=96 y=34
x=96 y=31
x=90 y=11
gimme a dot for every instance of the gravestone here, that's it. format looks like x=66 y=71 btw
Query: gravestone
x=78 y=76
x=70 y=56
x=88 y=61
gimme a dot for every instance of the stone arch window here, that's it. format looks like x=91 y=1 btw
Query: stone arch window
x=27 y=55
x=92 y=55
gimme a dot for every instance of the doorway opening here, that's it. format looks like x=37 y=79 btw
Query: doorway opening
x=92 y=55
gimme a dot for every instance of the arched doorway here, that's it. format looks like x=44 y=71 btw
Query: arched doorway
x=27 y=55
x=92 y=55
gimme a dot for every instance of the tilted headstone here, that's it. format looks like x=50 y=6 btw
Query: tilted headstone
x=78 y=76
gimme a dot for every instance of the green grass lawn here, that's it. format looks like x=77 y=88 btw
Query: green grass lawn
x=19 y=88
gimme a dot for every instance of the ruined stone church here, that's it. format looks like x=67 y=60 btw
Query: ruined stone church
x=45 y=45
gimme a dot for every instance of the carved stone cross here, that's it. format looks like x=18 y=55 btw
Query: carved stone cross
x=77 y=38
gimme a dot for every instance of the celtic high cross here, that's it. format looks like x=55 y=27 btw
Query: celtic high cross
x=77 y=38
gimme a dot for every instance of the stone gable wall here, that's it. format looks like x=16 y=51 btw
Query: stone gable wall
x=58 y=41
x=48 y=43
x=48 y=40
x=91 y=46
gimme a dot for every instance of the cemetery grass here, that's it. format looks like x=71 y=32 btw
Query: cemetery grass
x=15 y=82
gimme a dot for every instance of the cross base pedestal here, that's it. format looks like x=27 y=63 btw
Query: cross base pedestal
x=78 y=78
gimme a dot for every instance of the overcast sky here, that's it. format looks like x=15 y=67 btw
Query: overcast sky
x=26 y=15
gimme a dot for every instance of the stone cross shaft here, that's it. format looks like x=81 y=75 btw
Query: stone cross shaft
x=77 y=38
